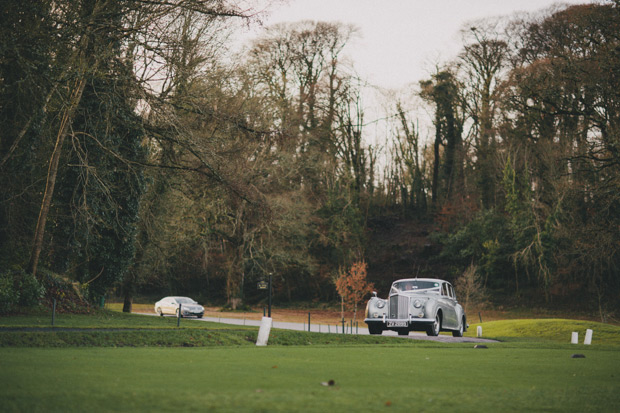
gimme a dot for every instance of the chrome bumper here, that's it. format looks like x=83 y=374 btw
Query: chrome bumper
x=399 y=323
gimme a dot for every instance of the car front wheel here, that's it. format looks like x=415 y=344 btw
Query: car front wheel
x=459 y=332
x=375 y=329
x=435 y=328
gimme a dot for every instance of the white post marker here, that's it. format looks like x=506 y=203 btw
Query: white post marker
x=588 y=339
x=574 y=338
x=479 y=331
x=263 y=331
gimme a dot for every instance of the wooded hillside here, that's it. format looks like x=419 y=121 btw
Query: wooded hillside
x=140 y=155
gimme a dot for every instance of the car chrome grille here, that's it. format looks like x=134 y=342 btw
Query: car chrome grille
x=399 y=307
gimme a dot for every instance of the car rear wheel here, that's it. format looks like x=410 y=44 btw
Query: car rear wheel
x=459 y=332
x=160 y=312
x=435 y=328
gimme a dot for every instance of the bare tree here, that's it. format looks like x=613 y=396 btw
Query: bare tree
x=470 y=289
x=482 y=60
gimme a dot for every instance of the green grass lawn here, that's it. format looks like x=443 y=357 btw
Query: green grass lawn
x=367 y=378
x=98 y=319
x=554 y=330
x=121 y=362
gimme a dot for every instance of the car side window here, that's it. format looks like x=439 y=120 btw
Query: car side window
x=444 y=290
x=451 y=290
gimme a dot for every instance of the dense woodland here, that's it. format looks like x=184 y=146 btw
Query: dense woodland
x=141 y=155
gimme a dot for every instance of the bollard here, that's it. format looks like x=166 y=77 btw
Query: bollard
x=179 y=316
x=263 y=331
x=479 y=331
x=588 y=339
x=308 y=321
x=53 y=312
x=574 y=338
x=343 y=326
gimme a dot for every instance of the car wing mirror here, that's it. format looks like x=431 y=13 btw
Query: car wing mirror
x=374 y=293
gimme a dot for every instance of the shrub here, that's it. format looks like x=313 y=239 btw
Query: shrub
x=19 y=288
x=9 y=295
x=470 y=288
x=31 y=290
x=68 y=295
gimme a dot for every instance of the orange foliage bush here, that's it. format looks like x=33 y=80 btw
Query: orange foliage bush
x=352 y=286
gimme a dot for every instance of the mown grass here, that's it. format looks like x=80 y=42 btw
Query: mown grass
x=112 y=329
x=286 y=379
x=116 y=329
x=119 y=362
x=184 y=337
x=554 y=330
x=98 y=319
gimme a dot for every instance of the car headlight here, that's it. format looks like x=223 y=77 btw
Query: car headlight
x=417 y=303
x=380 y=304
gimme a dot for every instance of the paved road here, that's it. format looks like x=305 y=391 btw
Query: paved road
x=333 y=328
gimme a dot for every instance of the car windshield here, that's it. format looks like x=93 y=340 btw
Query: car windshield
x=413 y=285
x=185 y=300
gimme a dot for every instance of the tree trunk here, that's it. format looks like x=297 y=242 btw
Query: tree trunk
x=436 y=160
x=127 y=302
x=52 y=172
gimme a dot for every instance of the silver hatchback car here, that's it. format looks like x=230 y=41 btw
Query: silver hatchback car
x=417 y=304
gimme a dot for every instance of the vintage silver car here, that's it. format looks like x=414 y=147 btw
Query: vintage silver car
x=417 y=304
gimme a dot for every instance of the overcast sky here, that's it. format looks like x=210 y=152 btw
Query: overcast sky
x=402 y=39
